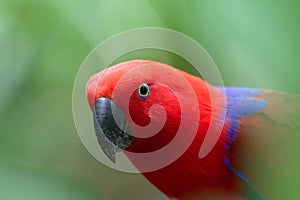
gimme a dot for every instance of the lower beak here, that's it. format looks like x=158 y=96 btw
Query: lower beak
x=107 y=119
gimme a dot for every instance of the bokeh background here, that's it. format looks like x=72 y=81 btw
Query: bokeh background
x=43 y=43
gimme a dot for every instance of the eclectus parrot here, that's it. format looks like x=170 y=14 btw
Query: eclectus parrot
x=234 y=143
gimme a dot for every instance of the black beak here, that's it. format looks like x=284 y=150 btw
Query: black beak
x=111 y=137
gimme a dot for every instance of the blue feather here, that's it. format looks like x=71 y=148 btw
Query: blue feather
x=241 y=104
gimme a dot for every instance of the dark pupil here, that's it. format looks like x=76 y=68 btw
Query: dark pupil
x=143 y=90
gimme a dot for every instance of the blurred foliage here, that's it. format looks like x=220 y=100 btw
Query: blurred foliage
x=42 y=44
x=28 y=184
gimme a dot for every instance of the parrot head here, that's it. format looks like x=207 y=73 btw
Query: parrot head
x=132 y=95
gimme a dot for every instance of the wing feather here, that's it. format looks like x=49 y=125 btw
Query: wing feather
x=266 y=149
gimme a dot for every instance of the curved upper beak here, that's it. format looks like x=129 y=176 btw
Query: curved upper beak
x=110 y=128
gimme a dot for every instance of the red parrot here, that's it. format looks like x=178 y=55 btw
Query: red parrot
x=248 y=137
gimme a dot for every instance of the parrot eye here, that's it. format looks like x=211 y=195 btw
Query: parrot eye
x=144 y=90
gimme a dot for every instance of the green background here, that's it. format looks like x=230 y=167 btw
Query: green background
x=43 y=43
